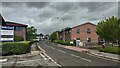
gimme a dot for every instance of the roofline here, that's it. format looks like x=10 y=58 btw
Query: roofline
x=15 y=24
x=2 y=20
x=83 y=24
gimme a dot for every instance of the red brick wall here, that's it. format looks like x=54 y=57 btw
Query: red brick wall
x=83 y=35
x=21 y=33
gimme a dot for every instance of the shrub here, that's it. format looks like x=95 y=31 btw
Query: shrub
x=9 y=48
x=110 y=49
x=62 y=42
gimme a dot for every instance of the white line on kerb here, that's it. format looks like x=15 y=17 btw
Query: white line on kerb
x=81 y=58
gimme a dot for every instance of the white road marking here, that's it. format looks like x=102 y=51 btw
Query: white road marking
x=52 y=60
x=41 y=49
x=3 y=60
x=43 y=57
x=81 y=58
x=49 y=46
x=52 y=47
x=86 y=59
x=75 y=56
x=61 y=51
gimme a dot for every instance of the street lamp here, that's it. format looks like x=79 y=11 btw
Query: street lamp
x=118 y=33
x=63 y=27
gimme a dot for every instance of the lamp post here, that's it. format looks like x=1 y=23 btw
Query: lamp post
x=63 y=27
x=118 y=33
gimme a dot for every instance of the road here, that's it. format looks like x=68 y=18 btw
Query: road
x=66 y=57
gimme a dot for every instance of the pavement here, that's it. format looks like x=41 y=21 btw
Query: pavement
x=111 y=56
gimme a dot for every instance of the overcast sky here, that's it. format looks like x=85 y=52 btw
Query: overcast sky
x=44 y=15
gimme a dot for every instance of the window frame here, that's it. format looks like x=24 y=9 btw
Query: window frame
x=78 y=31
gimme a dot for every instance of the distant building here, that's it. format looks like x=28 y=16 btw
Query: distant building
x=19 y=29
x=85 y=33
x=64 y=34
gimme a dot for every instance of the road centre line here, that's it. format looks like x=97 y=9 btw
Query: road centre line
x=61 y=51
x=49 y=46
x=81 y=58
x=52 y=48
x=72 y=54
x=86 y=59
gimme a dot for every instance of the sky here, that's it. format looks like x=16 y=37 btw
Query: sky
x=48 y=16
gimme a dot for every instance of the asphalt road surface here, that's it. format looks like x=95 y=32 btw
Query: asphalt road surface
x=66 y=57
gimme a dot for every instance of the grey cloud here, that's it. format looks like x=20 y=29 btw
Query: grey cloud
x=64 y=6
x=13 y=4
x=37 y=4
x=119 y=9
x=44 y=14
x=92 y=6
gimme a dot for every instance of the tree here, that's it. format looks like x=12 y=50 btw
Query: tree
x=53 y=36
x=109 y=29
x=31 y=33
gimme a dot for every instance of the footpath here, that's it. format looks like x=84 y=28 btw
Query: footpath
x=91 y=52
x=35 y=59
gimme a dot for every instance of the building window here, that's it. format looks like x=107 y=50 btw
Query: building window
x=18 y=28
x=88 y=39
x=88 y=31
x=78 y=31
x=77 y=38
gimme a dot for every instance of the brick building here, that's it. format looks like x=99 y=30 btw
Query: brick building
x=19 y=29
x=65 y=34
x=85 y=33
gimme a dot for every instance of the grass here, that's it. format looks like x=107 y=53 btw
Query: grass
x=110 y=49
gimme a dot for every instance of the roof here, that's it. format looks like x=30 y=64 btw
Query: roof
x=2 y=21
x=66 y=29
x=84 y=24
x=6 y=23
x=15 y=24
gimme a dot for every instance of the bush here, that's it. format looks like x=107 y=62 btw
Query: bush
x=110 y=49
x=9 y=48
x=62 y=42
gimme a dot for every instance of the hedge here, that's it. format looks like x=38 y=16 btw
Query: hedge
x=9 y=48
x=62 y=42
x=111 y=49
